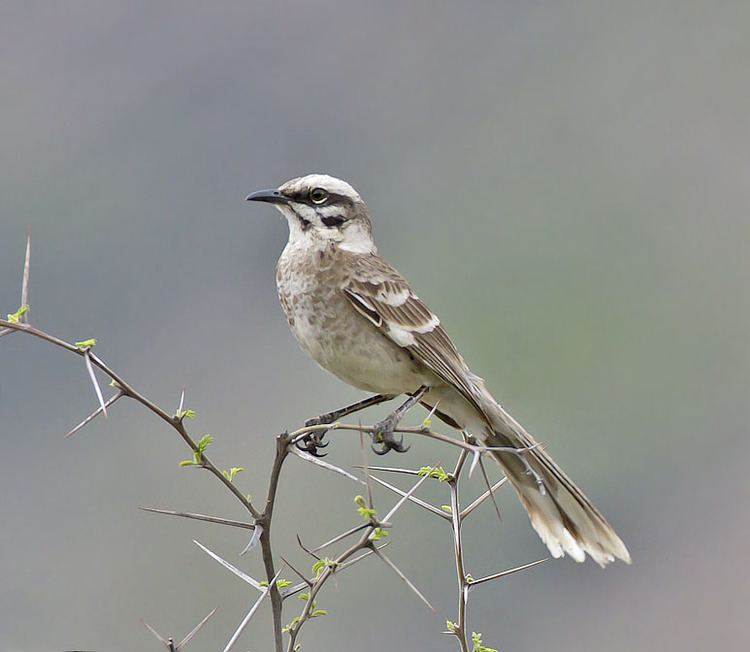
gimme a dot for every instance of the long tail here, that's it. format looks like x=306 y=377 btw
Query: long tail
x=561 y=514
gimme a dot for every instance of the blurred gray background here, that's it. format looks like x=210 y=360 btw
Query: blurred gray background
x=566 y=184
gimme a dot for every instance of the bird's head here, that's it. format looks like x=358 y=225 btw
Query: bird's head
x=322 y=210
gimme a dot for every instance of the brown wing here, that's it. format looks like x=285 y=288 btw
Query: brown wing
x=380 y=294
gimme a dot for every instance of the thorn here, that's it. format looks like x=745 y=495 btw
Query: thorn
x=388 y=469
x=253 y=540
x=297 y=588
x=243 y=576
x=164 y=641
x=308 y=551
x=468 y=510
x=341 y=536
x=250 y=613
x=26 y=270
x=405 y=579
x=195 y=630
x=477 y=455
x=200 y=517
x=94 y=414
x=408 y=495
x=326 y=465
x=489 y=488
x=365 y=467
x=510 y=571
x=301 y=576
x=413 y=499
x=92 y=375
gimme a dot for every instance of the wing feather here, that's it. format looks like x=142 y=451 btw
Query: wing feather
x=380 y=294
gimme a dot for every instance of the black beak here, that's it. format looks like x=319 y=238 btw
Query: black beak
x=271 y=196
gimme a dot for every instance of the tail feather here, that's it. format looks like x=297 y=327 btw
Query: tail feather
x=565 y=519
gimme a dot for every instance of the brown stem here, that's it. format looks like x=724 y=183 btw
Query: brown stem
x=463 y=585
x=265 y=520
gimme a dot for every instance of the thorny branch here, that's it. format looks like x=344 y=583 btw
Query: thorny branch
x=370 y=532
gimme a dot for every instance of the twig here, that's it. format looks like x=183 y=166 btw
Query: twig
x=261 y=527
x=264 y=520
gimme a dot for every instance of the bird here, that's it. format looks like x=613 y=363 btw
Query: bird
x=360 y=319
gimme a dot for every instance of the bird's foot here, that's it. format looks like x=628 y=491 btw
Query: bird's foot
x=383 y=439
x=312 y=441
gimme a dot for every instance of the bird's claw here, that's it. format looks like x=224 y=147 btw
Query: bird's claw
x=312 y=441
x=383 y=439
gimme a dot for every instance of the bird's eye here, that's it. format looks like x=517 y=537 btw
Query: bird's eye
x=318 y=195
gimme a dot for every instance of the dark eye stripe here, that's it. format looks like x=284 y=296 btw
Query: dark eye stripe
x=332 y=220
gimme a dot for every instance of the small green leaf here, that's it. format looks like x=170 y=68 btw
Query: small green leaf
x=378 y=534
x=320 y=565
x=318 y=612
x=291 y=625
x=447 y=509
x=280 y=584
x=86 y=344
x=15 y=317
x=476 y=639
x=439 y=473
x=231 y=474
x=367 y=513
x=469 y=579
x=204 y=442
x=185 y=414
x=187 y=463
x=450 y=626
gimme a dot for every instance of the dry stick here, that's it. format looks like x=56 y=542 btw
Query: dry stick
x=130 y=392
x=177 y=423
x=459 y=628
x=366 y=542
x=264 y=518
x=318 y=584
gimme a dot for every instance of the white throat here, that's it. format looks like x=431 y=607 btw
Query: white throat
x=352 y=237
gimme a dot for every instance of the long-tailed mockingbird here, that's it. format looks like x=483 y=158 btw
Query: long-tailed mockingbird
x=358 y=318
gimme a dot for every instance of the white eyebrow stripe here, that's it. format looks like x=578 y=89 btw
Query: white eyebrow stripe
x=329 y=183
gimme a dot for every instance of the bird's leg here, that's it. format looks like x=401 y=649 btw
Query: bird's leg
x=382 y=434
x=312 y=442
